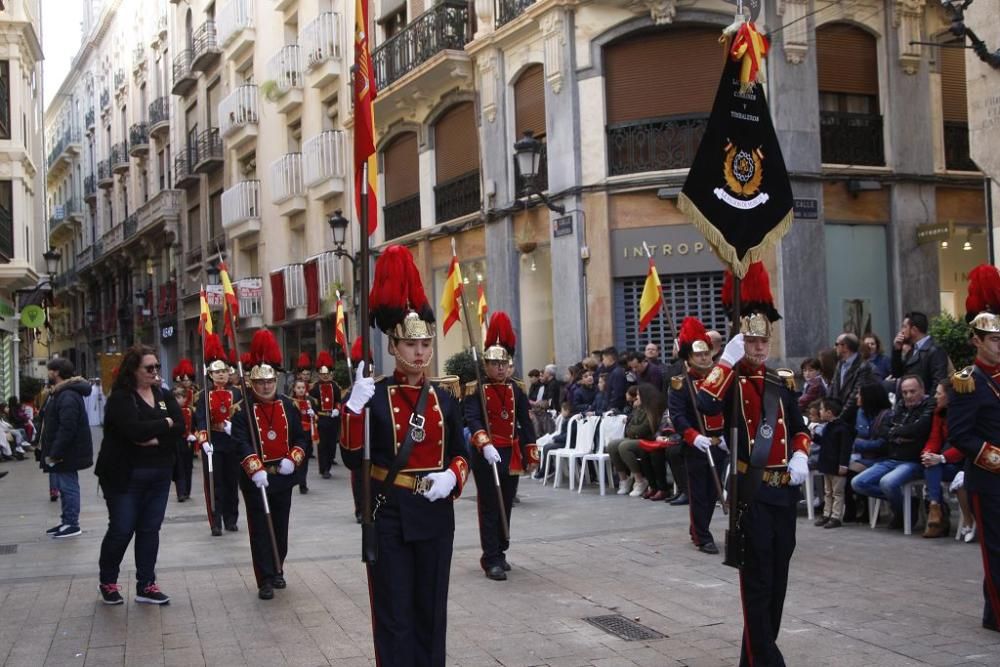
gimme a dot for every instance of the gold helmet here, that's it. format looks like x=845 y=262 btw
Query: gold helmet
x=215 y=356
x=265 y=356
x=757 y=311
x=982 y=305
x=500 y=341
x=692 y=338
x=399 y=306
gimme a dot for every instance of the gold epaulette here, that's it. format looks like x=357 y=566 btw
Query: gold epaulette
x=676 y=382
x=449 y=383
x=963 y=381
x=470 y=388
x=782 y=376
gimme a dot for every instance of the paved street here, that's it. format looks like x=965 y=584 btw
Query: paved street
x=857 y=597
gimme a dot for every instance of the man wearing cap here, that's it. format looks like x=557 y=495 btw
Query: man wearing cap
x=771 y=460
x=271 y=446
x=505 y=438
x=419 y=464
x=326 y=395
x=702 y=434
x=974 y=427
x=213 y=433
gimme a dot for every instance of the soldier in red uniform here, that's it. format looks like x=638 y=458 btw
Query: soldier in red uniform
x=326 y=393
x=306 y=405
x=277 y=430
x=184 y=375
x=213 y=431
x=186 y=395
x=702 y=434
x=419 y=464
x=771 y=457
x=304 y=371
x=505 y=437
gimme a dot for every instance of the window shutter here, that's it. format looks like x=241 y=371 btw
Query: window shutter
x=953 y=99
x=846 y=59
x=666 y=73
x=456 y=143
x=402 y=169
x=278 y=296
x=529 y=102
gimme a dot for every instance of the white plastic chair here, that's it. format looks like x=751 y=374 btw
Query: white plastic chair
x=875 y=506
x=612 y=427
x=811 y=493
x=581 y=445
x=570 y=435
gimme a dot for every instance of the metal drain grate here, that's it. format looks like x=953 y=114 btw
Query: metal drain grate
x=622 y=627
x=185 y=519
x=6 y=549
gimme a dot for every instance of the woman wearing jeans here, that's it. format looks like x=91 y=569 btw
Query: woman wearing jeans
x=142 y=424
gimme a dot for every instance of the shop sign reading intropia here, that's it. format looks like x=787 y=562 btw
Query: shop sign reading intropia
x=674 y=248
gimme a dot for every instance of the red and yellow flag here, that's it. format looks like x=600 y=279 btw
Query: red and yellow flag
x=481 y=309
x=339 y=330
x=230 y=304
x=205 y=320
x=364 y=116
x=452 y=293
x=652 y=297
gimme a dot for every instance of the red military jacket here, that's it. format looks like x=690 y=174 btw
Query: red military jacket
x=222 y=405
x=279 y=435
x=325 y=394
x=507 y=420
x=304 y=405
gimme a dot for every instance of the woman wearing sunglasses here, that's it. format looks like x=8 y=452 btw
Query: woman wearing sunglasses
x=142 y=424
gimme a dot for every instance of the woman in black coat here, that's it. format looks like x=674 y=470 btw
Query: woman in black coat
x=142 y=427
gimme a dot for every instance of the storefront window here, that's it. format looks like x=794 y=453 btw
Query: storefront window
x=535 y=339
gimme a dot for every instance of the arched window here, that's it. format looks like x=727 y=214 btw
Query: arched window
x=529 y=115
x=659 y=90
x=401 y=169
x=456 y=157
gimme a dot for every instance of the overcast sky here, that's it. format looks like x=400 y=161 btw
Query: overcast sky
x=60 y=41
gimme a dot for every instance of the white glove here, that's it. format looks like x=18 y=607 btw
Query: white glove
x=722 y=444
x=192 y=438
x=311 y=412
x=798 y=467
x=361 y=392
x=441 y=485
x=286 y=467
x=227 y=426
x=491 y=454
x=958 y=482
x=335 y=412
x=703 y=443
x=260 y=479
x=733 y=351
x=207 y=447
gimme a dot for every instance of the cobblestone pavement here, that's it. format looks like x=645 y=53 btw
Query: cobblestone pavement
x=857 y=597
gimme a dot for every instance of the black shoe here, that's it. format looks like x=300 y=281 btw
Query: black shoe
x=53 y=530
x=19 y=456
x=67 y=531
x=278 y=581
x=708 y=548
x=325 y=475
x=181 y=499
x=110 y=594
x=833 y=523
x=216 y=531
x=822 y=521
x=505 y=565
x=303 y=490
x=266 y=591
x=680 y=500
x=496 y=573
x=232 y=527
x=151 y=594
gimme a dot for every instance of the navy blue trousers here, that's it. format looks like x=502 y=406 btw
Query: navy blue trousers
x=986 y=508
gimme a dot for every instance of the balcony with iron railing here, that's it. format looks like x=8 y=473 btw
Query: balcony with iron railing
x=105 y=100
x=90 y=188
x=89 y=119
x=295 y=287
x=443 y=27
x=138 y=140
x=324 y=164
x=184 y=76
x=654 y=144
x=851 y=139
x=506 y=11
x=236 y=27
x=321 y=48
x=241 y=209
x=209 y=151
x=119 y=157
x=121 y=79
x=130 y=226
x=457 y=197
x=105 y=177
x=287 y=189
x=956 y=147
x=206 y=47
x=401 y=217
x=238 y=116
x=184 y=173
x=159 y=116
x=285 y=71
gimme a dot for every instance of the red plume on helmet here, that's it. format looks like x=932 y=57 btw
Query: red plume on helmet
x=324 y=360
x=984 y=291
x=356 y=352
x=183 y=369
x=396 y=290
x=232 y=357
x=213 y=349
x=755 y=293
x=691 y=330
x=305 y=363
x=264 y=349
x=501 y=332
x=246 y=360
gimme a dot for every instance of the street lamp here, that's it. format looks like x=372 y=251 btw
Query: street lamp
x=51 y=257
x=338 y=224
x=528 y=154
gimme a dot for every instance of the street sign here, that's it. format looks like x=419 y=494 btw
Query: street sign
x=32 y=317
x=562 y=226
x=806 y=209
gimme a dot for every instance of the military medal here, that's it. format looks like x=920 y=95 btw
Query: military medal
x=766 y=430
x=271 y=435
x=504 y=414
x=417 y=431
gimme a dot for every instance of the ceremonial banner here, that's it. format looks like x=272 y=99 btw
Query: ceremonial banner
x=652 y=297
x=364 y=116
x=737 y=192
x=451 y=294
x=230 y=304
x=205 y=321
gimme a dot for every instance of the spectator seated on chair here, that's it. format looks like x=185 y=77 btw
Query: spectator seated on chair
x=653 y=458
x=873 y=408
x=905 y=434
x=557 y=441
x=584 y=394
x=623 y=452
x=942 y=462
x=600 y=405
x=834 y=442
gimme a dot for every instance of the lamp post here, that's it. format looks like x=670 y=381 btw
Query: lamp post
x=527 y=154
x=51 y=257
x=338 y=225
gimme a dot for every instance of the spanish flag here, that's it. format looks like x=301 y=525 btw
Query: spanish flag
x=481 y=308
x=652 y=297
x=230 y=304
x=340 y=331
x=205 y=321
x=364 y=116
x=452 y=293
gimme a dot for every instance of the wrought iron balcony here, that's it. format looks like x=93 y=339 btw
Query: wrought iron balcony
x=130 y=226
x=138 y=139
x=89 y=118
x=241 y=209
x=105 y=178
x=956 y=147
x=851 y=138
x=208 y=151
x=286 y=178
x=445 y=26
x=506 y=11
x=90 y=188
x=184 y=77
x=234 y=17
x=320 y=39
x=120 y=79
x=457 y=197
x=105 y=99
x=159 y=115
x=654 y=144
x=324 y=162
x=119 y=157
x=285 y=69
x=184 y=174
x=206 y=47
x=401 y=217
x=238 y=115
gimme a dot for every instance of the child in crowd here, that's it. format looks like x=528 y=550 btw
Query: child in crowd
x=184 y=461
x=813 y=387
x=834 y=454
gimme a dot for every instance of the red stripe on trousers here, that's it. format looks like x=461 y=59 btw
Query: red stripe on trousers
x=987 y=575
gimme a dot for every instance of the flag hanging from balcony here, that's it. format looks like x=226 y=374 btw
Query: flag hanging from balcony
x=452 y=293
x=737 y=192
x=339 y=328
x=205 y=320
x=652 y=297
x=230 y=304
x=364 y=116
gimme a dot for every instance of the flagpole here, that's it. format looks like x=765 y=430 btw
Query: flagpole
x=369 y=539
x=208 y=412
x=347 y=355
x=734 y=548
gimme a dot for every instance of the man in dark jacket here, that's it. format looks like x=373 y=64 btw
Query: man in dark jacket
x=616 y=383
x=906 y=433
x=66 y=443
x=851 y=374
x=926 y=360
